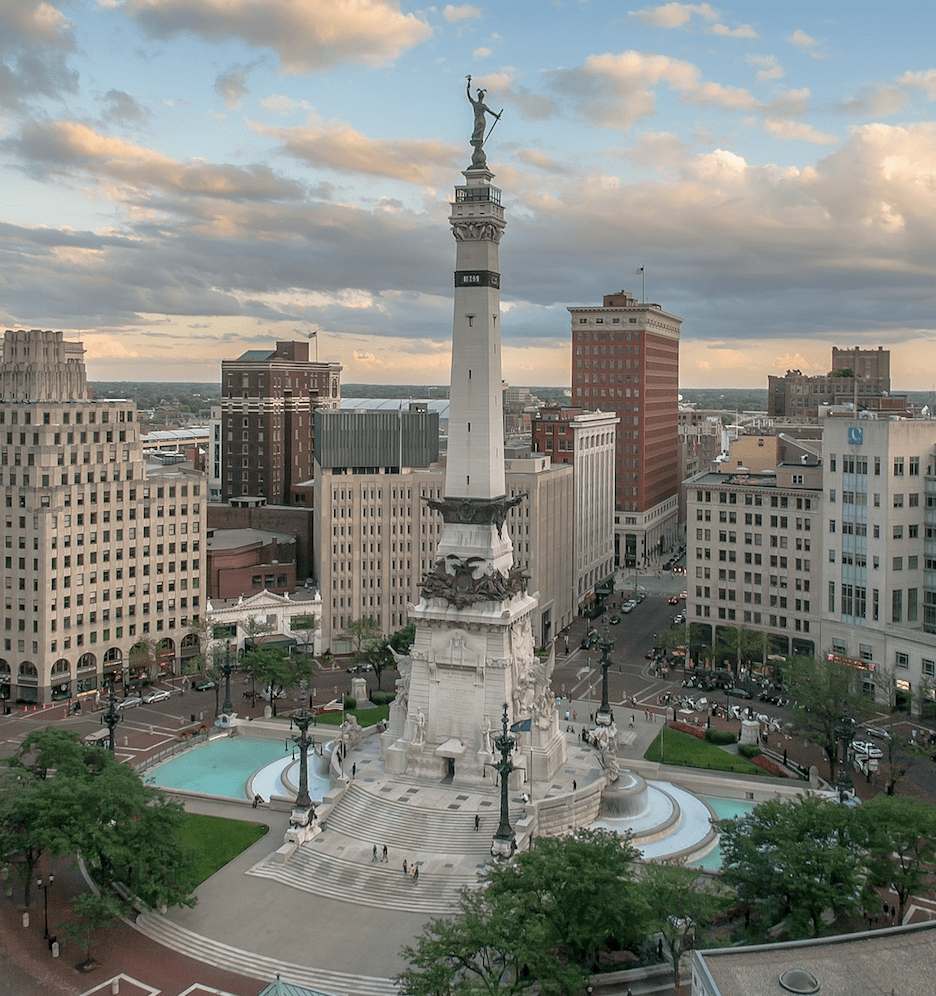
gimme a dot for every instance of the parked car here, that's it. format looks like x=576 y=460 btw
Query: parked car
x=204 y=686
x=157 y=695
x=739 y=692
x=129 y=702
x=683 y=594
x=879 y=732
x=866 y=749
x=627 y=608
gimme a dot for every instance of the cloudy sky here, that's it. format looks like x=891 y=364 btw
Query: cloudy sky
x=187 y=179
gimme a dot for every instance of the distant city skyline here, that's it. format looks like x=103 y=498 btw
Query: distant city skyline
x=185 y=181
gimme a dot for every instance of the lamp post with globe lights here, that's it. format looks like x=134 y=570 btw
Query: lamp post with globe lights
x=43 y=885
x=111 y=715
x=505 y=839
x=227 y=667
x=603 y=716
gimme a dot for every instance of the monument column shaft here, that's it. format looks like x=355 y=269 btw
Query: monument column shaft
x=475 y=467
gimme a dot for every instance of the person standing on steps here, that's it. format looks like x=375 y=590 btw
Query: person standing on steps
x=415 y=874
x=477 y=822
x=384 y=859
x=405 y=868
x=374 y=855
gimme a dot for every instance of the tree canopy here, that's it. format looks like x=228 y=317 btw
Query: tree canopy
x=900 y=836
x=794 y=859
x=61 y=796
x=539 y=921
x=680 y=904
x=820 y=690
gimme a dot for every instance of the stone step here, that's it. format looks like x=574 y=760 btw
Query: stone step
x=256 y=966
x=368 y=884
x=410 y=827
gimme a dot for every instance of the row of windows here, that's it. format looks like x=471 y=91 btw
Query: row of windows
x=731 y=498
x=859 y=465
x=730 y=615
x=611 y=336
x=861 y=498
x=122 y=415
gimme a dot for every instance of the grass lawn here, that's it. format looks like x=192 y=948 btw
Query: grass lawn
x=217 y=840
x=690 y=752
x=366 y=717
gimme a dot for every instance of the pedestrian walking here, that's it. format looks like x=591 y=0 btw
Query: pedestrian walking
x=385 y=858
x=405 y=868
x=415 y=873
x=374 y=855
x=354 y=769
x=477 y=822
x=574 y=785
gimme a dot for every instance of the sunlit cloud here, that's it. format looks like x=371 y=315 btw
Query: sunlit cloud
x=307 y=37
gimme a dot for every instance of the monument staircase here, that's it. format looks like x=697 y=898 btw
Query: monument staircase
x=442 y=842
x=253 y=965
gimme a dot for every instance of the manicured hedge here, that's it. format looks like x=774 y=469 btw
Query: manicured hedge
x=720 y=736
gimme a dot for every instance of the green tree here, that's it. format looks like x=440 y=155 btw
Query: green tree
x=689 y=635
x=99 y=807
x=493 y=946
x=539 y=921
x=682 y=904
x=820 y=690
x=738 y=644
x=900 y=835
x=400 y=641
x=793 y=860
x=279 y=671
x=96 y=912
x=362 y=632
x=581 y=886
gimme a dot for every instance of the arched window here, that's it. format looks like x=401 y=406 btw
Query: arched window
x=61 y=666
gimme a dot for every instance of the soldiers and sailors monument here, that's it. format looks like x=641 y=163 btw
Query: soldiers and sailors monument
x=473 y=650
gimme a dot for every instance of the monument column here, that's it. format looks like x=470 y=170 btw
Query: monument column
x=473 y=649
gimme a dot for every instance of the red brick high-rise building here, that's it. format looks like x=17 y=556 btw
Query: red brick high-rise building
x=267 y=400
x=625 y=359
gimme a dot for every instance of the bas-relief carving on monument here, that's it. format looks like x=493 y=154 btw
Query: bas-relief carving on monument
x=457 y=649
x=470 y=231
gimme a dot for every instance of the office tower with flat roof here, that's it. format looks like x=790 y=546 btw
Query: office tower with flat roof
x=268 y=397
x=625 y=360
x=102 y=553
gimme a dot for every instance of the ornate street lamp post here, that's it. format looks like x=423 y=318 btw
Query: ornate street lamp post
x=111 y=716
x=227 y=667
x=603 y=715
x=43 y=886
x=302 y=720
x=845 y=731
x=505 y=839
